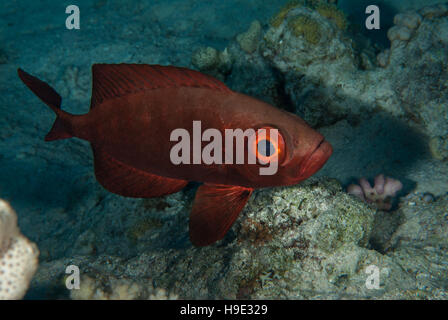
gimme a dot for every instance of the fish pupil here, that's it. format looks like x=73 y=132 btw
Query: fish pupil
x=266 y=148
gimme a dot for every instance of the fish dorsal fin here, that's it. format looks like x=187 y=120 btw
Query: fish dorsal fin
x=115 y=80
x=215 y=209
x=127 y=181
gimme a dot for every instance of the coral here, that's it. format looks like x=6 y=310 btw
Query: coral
x=380 y=195
x=314 y=56
x=417 y=65
x=298 y=231
x=304 y=26
x=162 y=294
x=205 y=58
x=314 y=242
x=278 y=19
x=118 y=289
x=331 y=12
x=399 y=33
x=304 y=41
x=18 y=256
x=409 y=20
x=439 y=147
x=250 y=39
x=213 y=62
x=327 y=8
x=327 y=79
x=383 y=58
x=434 y=11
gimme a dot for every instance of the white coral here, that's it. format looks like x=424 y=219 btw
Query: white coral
x=18 y=256
x=95 y=288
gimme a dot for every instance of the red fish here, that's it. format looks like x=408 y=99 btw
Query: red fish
x=135 y=108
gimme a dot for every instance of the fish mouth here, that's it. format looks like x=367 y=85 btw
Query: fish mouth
x=316 y=159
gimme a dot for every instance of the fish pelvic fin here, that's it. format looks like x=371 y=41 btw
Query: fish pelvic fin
x=215 y=209
x=61 y=128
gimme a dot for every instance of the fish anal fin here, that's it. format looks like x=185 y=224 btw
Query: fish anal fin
x=215 y=209
x=115 y=80
x=127 y=181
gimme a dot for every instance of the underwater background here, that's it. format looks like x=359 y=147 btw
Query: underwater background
x=380 y=97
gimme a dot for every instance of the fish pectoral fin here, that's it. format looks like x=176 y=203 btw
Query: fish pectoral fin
x=215 y=209
x=128 y=181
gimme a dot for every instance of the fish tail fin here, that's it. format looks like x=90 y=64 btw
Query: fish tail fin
x=61 y=128
x=58 y=131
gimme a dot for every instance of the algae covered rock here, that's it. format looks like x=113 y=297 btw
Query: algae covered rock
x=331 y=12
x=323 y=76
x=309 y=241
x=418 y=64
x=316 y=212
x=310 y=38
x=282 y=246
x=305 y=63
x=420 y=244
x=424 y=223
x=250 y=39
x=314 y=53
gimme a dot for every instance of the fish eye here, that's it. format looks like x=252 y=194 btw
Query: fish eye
x=268 y=146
